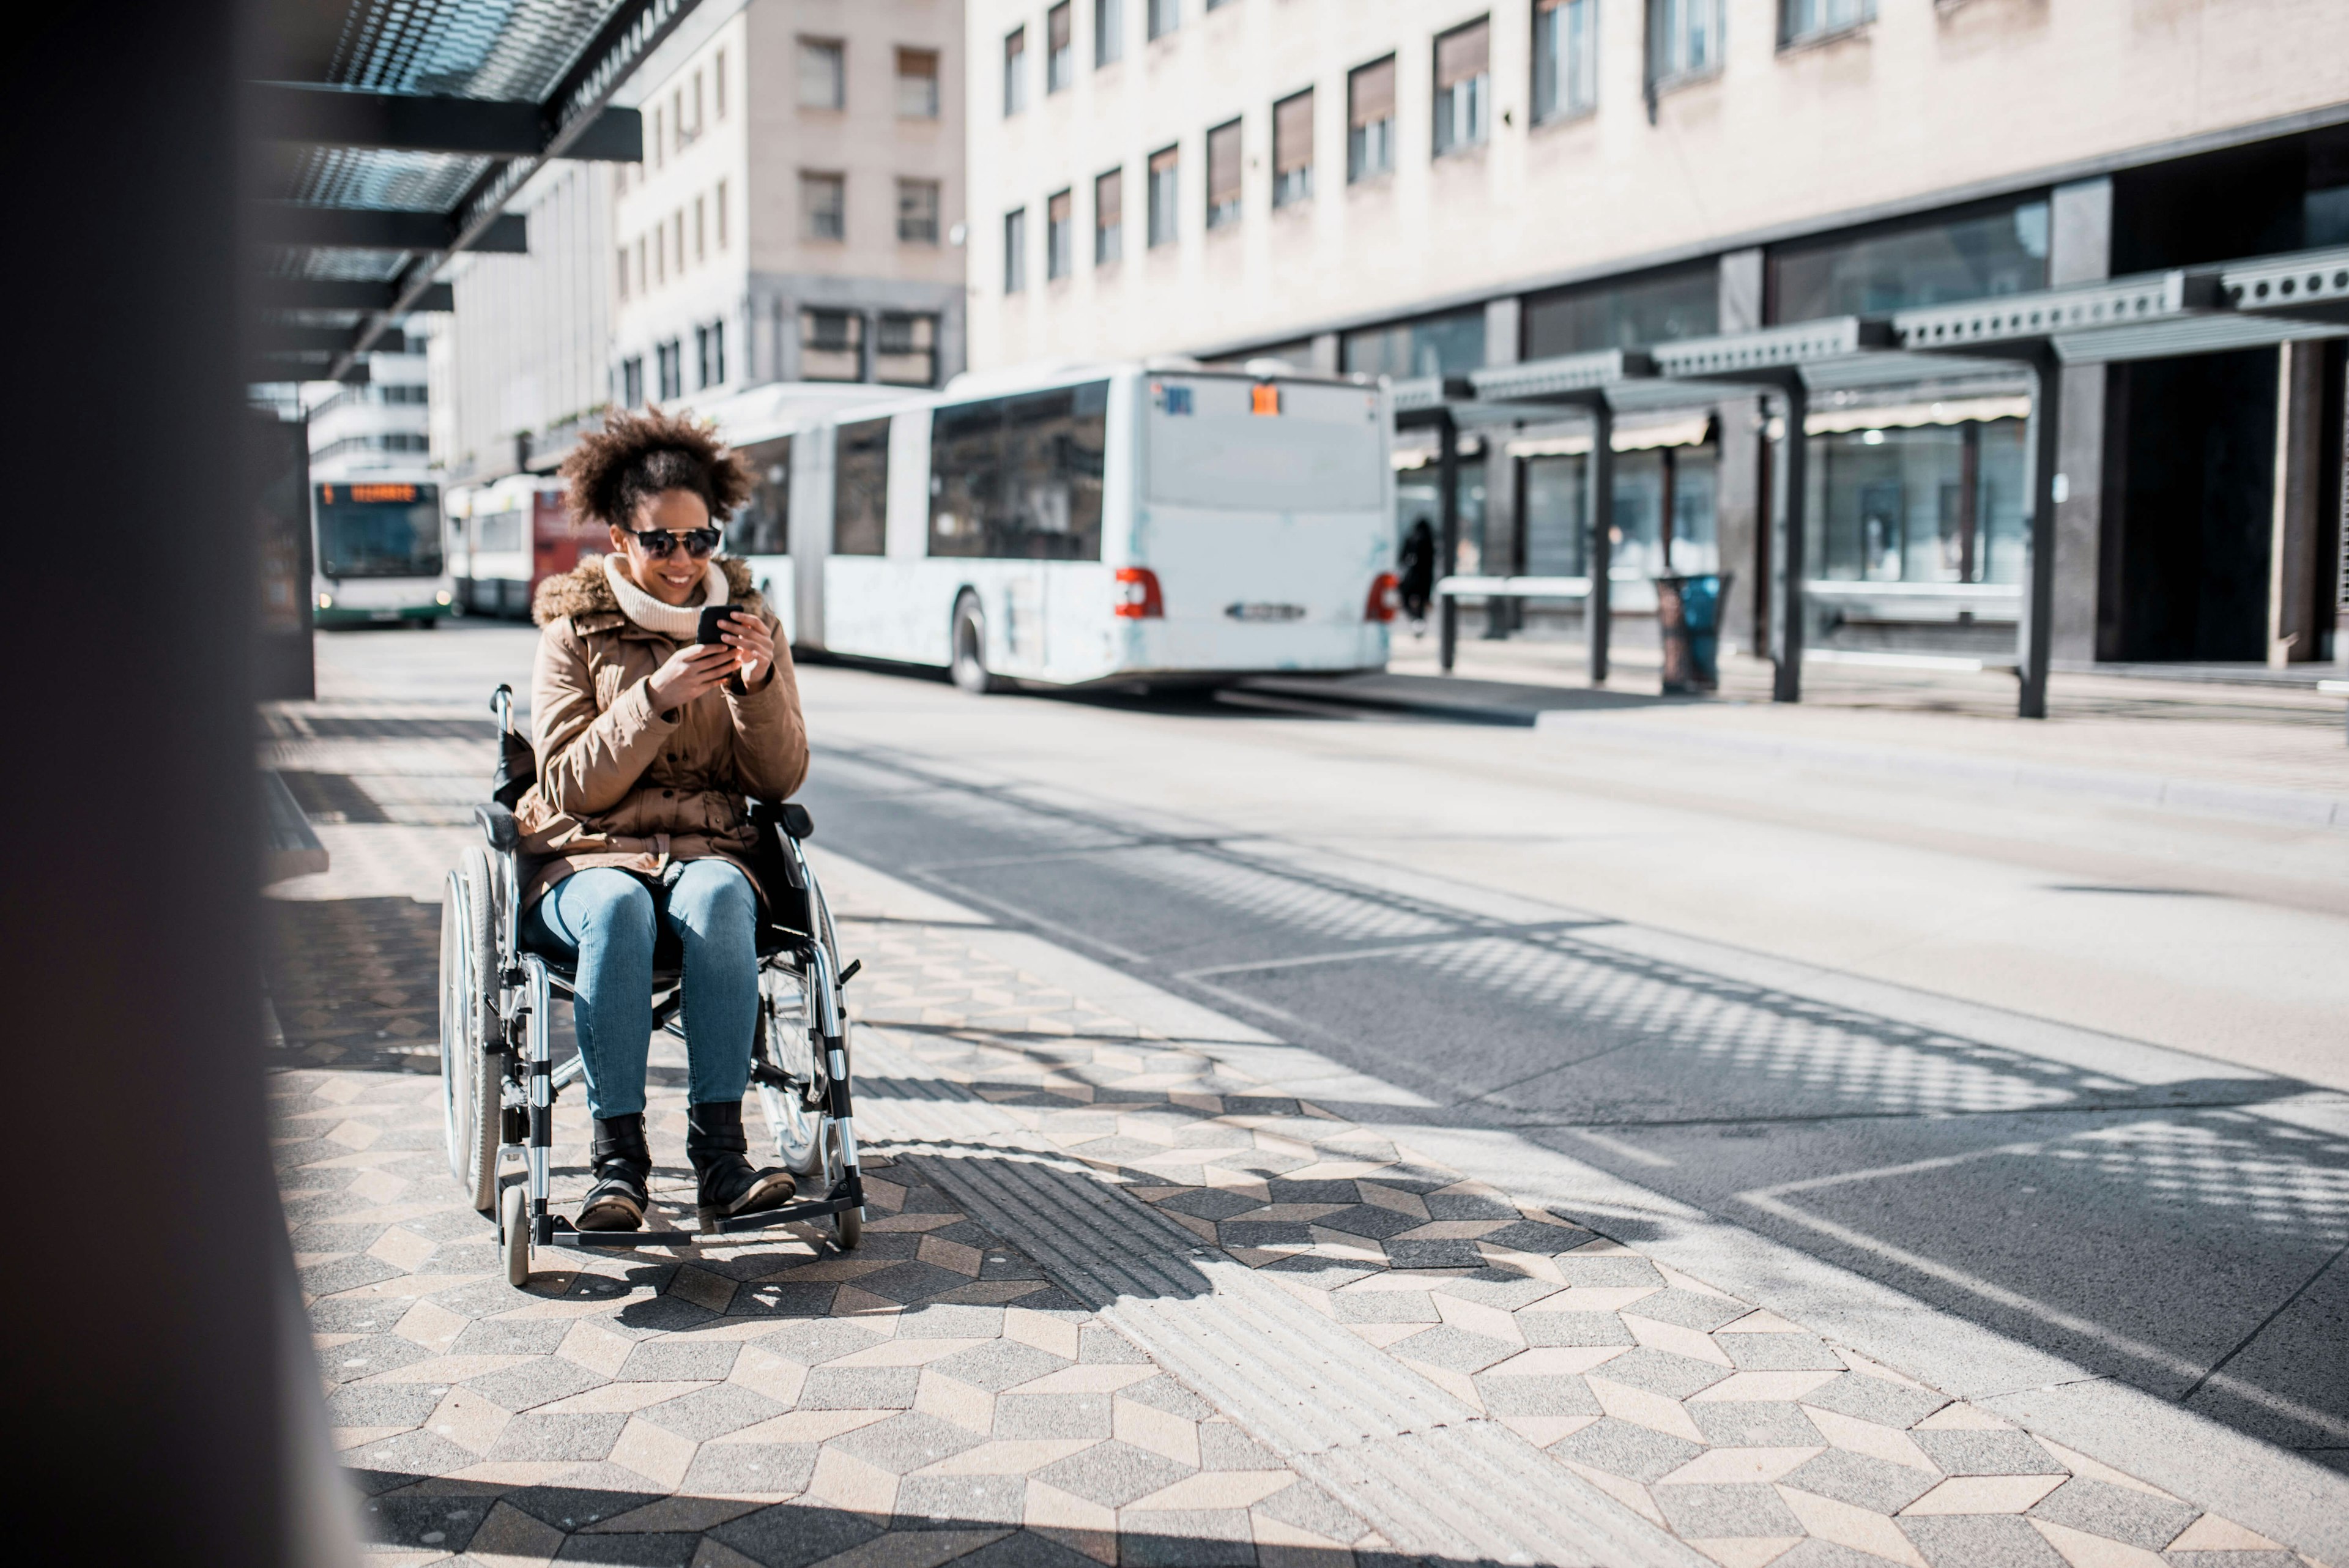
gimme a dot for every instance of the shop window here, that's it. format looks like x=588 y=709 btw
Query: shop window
x=905 y=350
x=1683 y=39
x=1292 y=149
x=1059 y=235
x=1985 y=251
x=1800 y=21
x=917 y=84
x=1566 y=59
x=1109 y=32
x=824 y=74
x=1015 y=250
x=1224 y=175
x=832 y=345
x=1165 y=169
x=1629 y=312
x=1463 y=88
x=1449 y=345
x=860 y=489
x=1109 y=217
x=1370 y=120
x=1020 y=478
x=1930 y=503
x=762 y=527
x=1060 y=47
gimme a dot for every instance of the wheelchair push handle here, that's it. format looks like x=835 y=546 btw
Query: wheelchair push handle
x=501 y=704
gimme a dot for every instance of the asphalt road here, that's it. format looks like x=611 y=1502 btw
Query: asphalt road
x=2070 y=1072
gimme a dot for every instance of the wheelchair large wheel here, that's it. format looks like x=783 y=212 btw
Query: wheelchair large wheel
x=469 y=1069
x=786 y=1041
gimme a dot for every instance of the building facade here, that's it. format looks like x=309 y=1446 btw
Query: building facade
x=375 y=427
x=797 y=212
x=1430 y=187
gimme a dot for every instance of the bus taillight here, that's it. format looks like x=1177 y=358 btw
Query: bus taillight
x=1381 y=604
x=1137 y=595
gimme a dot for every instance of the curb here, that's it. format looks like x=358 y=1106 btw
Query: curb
x=2298 y=808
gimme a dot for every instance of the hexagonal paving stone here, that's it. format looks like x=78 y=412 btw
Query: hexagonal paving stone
x=1621 y=1449
x=1986 y=1453
x=1979 y=1540
x=1876 y=1400
x=1112 y=1473
x=1453 y=1349
x=906 y=1442
x=2116 y=1512
x=1862 y=1480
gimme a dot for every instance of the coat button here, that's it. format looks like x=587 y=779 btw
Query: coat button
x=668 y=795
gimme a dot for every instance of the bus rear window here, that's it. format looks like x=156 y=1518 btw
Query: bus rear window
x=359 y=536
x=1210 y=446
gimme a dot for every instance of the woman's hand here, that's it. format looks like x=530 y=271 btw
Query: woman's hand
x=753 y=643
x=691 y=672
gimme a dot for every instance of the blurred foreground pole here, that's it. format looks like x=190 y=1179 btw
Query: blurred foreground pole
x=151 y=1379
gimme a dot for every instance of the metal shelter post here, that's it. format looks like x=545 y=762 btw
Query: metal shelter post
x=1447 y=511
x=1789 y=535
x=2033 y=635
x=1598 y=508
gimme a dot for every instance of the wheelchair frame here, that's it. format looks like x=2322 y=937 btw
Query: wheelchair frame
x=521 y=1033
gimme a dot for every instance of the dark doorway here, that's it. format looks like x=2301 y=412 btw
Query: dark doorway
x=2187 y=575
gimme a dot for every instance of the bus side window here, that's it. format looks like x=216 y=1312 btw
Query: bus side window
x=1020 y=478
x=859 y=505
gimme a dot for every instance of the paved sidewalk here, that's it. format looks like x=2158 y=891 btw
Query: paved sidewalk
x=942 y=1394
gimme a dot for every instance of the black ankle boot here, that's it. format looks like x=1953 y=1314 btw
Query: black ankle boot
x=715 y=1144
x=621 y=1164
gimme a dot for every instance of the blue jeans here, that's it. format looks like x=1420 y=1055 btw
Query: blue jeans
x=604 y=918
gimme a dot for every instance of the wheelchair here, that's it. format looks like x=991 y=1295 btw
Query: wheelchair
x=498 y=1077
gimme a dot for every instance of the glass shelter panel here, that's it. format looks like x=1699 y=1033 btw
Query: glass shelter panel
x=1936 y=504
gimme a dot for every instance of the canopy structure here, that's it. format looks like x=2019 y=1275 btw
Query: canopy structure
x=2254 y=303
x=396 y=131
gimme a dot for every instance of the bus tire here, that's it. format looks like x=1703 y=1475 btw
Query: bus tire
x=969 y=646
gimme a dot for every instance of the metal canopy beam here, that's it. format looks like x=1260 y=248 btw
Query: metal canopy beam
x=419 y=123
x=342 y=293
x=2313 y=284
x=292 y=339
x=1568 y=377
x=1422 y=402
x=302 y=226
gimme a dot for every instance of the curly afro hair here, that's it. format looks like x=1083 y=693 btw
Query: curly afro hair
x=637 y=456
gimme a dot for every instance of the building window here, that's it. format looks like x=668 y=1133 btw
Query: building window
x=721 y=204
x=718 y=80
x=700 y=229
x=671 y=359
x=860 y=489
x=1224 y=175
x=1015 y=250
x=621 y=271
x=905 y=350
x=640 y=262
x=1217 y=5
x=1566 y=59
x=824 y=74
x=657 y=149
x=1109 y=217
x=632 y=381
x=1463 y=88
x=1624 y=312
x=1292 y=149
x=1164 y=17
x=1370 y=120
x=832 y=345
x=1059 y=235
x=1015 y=71
x=1060 y=47
x=1109 y=32
x=697 y=106
x=1800 y=20
x=677 y=237
x=1165 y=169
x=710 y=353
x=1448 y=345
x=917 y=212
x=1684 y=38
x=1988 y=251
x=917 y=84
x=823 y=206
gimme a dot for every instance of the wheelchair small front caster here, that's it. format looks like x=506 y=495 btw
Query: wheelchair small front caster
x=848 y=1229
x=513 y=1224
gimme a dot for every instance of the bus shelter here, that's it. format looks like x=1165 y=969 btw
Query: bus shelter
x=2253 y=303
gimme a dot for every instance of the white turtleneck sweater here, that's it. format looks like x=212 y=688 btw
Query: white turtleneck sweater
x=680 y=622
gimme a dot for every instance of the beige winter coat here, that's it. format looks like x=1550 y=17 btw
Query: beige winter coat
x=621 y=785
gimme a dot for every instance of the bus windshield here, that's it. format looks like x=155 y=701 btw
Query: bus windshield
x=1231 y=444
x=378 y=530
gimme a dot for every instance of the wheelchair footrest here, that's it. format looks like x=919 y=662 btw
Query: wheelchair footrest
x=568 y=1235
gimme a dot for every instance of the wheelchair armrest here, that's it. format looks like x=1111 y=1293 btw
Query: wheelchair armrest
x=498 y=825
x=789 y=816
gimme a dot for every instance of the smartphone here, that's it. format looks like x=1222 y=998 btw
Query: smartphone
x=713 y=623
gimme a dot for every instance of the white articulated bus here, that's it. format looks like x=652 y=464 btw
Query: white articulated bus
x=1112 y=525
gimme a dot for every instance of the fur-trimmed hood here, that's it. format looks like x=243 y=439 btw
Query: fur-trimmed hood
x=582 y=592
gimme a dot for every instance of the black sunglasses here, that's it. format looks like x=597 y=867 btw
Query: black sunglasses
x=699 y=543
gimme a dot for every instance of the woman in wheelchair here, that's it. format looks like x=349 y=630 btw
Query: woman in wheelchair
x=647 y=744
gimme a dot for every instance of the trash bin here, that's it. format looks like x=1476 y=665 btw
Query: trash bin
x=1687 y=622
